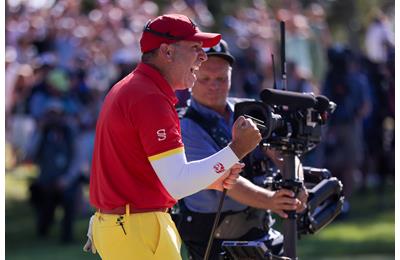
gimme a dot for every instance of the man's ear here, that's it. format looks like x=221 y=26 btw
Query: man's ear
x=167 y=51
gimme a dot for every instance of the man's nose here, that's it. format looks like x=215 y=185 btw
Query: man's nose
x=202 y=55
x=214 y=83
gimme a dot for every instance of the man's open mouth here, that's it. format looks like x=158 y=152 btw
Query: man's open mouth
x=193 y=69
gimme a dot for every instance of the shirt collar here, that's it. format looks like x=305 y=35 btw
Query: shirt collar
x=209 y=112
x=159 y=80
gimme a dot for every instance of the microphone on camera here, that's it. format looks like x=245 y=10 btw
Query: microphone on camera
x=293 y=100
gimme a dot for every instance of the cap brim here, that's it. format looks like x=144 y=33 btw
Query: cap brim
x=208 y=39
x=227 y=57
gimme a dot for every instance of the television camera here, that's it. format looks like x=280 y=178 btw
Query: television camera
x=291 y=123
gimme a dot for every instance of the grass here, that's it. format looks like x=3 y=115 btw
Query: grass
x=368 y=232
x=21 y=240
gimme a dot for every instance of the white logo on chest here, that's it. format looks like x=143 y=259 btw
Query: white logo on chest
x=161 y=134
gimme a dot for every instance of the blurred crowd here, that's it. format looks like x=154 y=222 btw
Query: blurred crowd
x=63 y=56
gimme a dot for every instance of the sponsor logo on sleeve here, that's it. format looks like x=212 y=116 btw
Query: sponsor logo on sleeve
x=161 y=134
x=219 y=168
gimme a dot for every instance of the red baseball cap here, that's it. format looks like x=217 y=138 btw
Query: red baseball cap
x=172 y=28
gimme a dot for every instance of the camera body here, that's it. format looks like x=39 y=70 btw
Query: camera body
x=288 y=120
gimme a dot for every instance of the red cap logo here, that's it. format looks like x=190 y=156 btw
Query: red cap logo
x=219 y=168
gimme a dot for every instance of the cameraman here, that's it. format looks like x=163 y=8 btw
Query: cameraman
x=205 y=130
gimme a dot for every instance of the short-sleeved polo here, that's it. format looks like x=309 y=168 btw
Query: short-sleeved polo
x=137 y=121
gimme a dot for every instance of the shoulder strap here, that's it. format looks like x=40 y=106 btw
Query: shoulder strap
x=220 y=137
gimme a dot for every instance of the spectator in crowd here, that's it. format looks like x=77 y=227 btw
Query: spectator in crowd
x=321 y=39
x=298 y=42
x=379 y=39
x=298 y=80
x=379 y=136
x=52 y=149
x=349 y=90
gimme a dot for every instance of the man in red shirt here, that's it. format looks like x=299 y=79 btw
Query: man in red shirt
x=139 y=167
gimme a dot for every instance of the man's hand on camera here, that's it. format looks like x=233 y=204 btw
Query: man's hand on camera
x=302 y=198
x=282 y=200
x=245 y=136
x=229 y=179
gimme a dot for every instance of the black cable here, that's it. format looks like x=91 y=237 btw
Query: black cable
x=216 y=220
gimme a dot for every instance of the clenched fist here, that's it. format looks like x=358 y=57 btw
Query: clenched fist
x=245 y=137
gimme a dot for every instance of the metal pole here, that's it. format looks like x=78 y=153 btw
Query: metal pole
x=289 y=224
x=216 y=220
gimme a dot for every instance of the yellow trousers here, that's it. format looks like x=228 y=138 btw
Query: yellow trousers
x=141 y=236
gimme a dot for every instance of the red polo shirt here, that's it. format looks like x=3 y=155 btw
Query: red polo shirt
x=137 y=120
